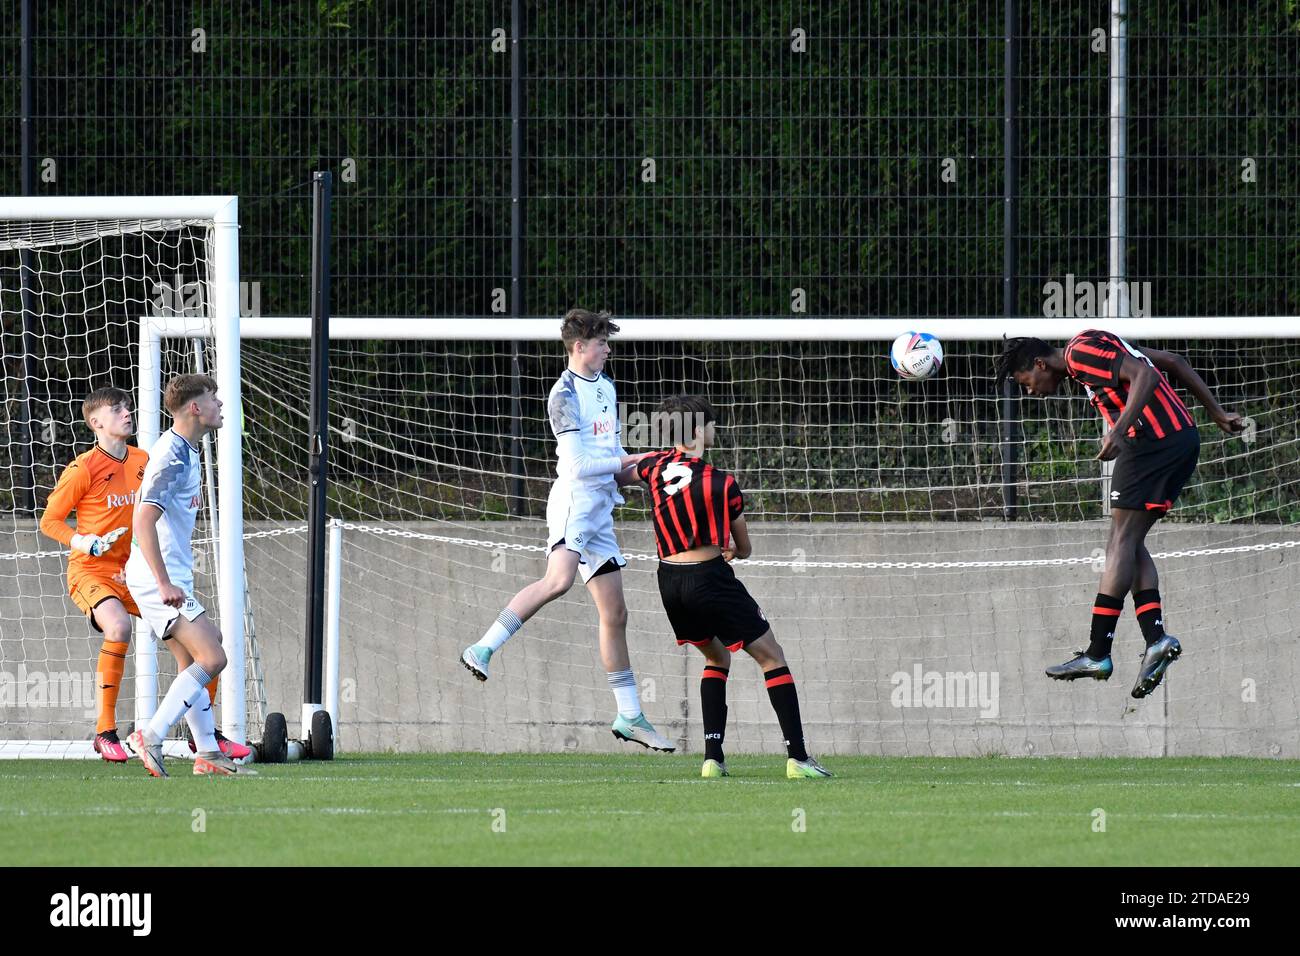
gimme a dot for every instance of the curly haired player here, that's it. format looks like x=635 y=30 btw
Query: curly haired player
x=1155 y=445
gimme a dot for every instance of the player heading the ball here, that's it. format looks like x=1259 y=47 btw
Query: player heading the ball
x=697 y=509
x=591 y=464
x=1155 y=445
x=160 y=574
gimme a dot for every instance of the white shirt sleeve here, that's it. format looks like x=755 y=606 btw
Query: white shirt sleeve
x=575 y=461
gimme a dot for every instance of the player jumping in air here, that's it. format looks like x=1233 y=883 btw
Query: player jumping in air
x=1155 y=445
x=160 y=574
x=101 y=486
x=591 y=465
x=697 y=509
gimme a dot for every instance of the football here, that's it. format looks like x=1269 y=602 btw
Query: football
x=916 y=355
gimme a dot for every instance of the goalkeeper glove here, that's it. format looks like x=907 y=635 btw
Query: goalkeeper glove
x=96 y=545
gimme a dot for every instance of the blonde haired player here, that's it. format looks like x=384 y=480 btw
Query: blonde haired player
x=160 y=575
x=101 y=486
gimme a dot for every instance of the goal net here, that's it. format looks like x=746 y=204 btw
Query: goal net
x=916 y=617
x=81 y=280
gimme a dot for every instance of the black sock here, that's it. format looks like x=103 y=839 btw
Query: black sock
x=1150 y=617
x=1105 y=615
x=713 y=695
x=785 y=701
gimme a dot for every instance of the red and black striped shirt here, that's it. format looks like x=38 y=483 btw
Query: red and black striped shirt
x=692 y=503
x=1093 y=359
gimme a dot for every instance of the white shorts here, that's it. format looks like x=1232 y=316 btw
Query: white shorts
x=161 y=617
x=585 y=530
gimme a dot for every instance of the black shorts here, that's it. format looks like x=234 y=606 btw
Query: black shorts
x=1150 y=473
x=705 y=601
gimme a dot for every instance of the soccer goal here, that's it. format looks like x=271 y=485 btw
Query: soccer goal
x=80 y=280
x=923 y=549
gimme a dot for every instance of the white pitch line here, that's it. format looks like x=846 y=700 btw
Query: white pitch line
x=732 y=782
x=333 y=811
x=609 y=811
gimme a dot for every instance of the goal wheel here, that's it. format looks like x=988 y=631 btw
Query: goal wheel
x=321 y=741
x=274 y=747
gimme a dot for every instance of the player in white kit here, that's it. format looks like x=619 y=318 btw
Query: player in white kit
x=160 y=576
x=591 y=465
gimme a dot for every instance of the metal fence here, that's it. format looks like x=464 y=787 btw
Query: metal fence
x=687 y=159
x=666 y=159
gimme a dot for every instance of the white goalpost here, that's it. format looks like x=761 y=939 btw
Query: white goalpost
x=77 y=274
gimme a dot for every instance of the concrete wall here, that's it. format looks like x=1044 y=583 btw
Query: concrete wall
x=851 y=635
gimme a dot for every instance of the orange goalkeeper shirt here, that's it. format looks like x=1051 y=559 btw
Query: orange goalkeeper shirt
x=103 y=490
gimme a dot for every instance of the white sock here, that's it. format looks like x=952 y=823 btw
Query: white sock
x=185 y=690
x=203 y=724
x=502 y=629
x=623 y=684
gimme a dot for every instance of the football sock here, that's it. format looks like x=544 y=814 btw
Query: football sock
x=1105 y=614
x=713 y=697
x=1150 y=617
x=785 y=701
x=186 y=689
x=112 y=662
x=623 y=684
x=502 y=629
x=203 y=725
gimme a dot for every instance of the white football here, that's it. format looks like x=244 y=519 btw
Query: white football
x=916 y=355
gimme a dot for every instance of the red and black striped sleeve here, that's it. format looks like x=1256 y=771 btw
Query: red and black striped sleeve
x=735 y=500
x=645 y=467
x=1093 y=358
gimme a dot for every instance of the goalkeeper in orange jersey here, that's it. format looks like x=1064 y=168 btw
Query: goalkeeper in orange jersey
x=102 y=486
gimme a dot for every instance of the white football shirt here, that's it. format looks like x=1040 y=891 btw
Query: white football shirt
x=586 y=408
x=173 y=483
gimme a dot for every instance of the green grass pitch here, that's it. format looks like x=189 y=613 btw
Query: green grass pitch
x=457 y=809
